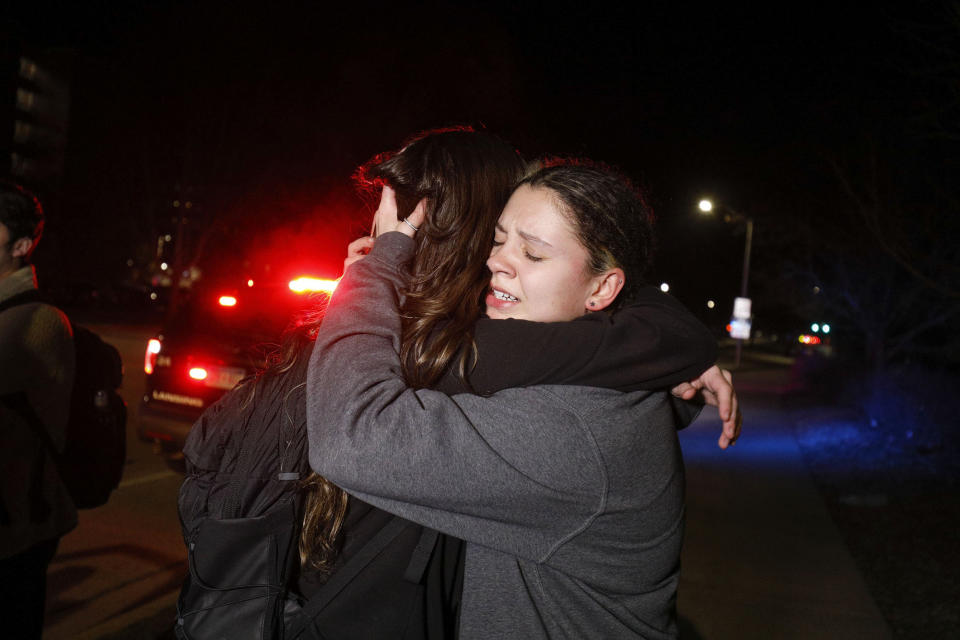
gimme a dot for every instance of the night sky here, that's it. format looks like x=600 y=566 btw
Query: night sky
x=259 y=112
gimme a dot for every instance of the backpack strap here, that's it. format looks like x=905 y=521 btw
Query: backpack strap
x=24 y=297
x=345 y=574
x=233 y=502
x=29 y=296
x=421 y=555
x=266 y=407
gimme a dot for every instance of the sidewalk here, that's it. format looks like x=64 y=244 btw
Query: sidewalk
x=762 y=558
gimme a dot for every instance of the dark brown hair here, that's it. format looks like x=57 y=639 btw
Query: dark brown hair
x=610 y=216
x=22 y=214
x=467 y=177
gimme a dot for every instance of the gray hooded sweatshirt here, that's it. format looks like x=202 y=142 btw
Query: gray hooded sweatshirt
x=570 y=498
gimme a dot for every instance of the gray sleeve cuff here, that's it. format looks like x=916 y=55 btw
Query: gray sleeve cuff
x=392 y=248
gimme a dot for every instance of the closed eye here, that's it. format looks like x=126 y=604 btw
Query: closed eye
x=531 y=257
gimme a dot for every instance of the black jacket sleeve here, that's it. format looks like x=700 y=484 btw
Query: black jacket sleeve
x=654 y=343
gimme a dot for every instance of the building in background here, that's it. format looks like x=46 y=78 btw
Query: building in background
x=34 y=113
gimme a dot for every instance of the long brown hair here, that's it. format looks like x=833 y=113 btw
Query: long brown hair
x=467 y=177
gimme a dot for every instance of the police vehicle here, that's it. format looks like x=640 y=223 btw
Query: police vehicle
x=218 y=336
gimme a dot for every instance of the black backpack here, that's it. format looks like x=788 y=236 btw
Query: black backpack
x=95 y=452
x=241 y=509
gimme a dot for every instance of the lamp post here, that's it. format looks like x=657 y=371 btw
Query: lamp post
x=706 y=206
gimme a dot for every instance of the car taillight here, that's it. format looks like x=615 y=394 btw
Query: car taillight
x=150 y=356
x=306 y=284
x=808 y=339
x=198 y=373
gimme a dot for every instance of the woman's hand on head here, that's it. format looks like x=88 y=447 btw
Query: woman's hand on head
x=715 y=386
x=385 y=219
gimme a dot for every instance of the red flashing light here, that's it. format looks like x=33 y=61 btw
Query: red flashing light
x=228 y=301
x=150 y=356
x=729 y=327
x=808 y=339
x=309 y=284
x=198 y=373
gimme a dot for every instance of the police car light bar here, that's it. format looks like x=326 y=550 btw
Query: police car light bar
x=306 y=284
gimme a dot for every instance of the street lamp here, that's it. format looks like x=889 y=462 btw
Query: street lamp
x=706 y=206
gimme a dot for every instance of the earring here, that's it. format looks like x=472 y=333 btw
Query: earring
x=592 y=303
